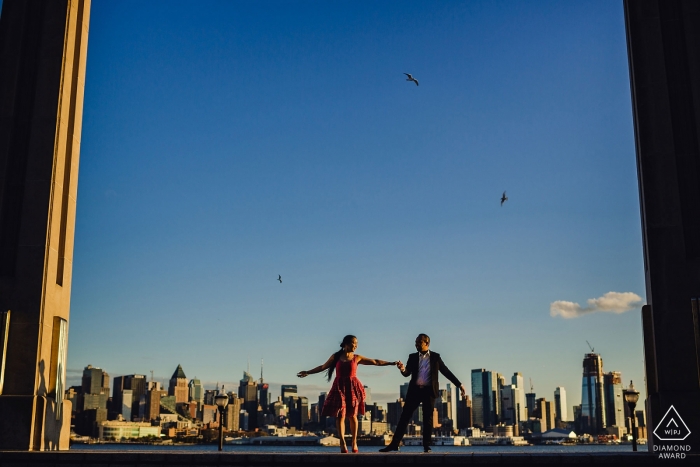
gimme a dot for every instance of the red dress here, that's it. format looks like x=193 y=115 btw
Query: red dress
x=347 y=395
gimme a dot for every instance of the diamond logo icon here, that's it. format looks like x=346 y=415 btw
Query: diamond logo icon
x=671 y=427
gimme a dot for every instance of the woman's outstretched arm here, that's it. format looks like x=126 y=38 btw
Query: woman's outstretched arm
x=373 y=361
x=318 y=369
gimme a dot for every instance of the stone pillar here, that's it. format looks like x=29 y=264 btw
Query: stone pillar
x=43 y=47
x=663 y=40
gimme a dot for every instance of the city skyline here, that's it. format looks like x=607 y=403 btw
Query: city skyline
x=228 y=144
x=313 y=391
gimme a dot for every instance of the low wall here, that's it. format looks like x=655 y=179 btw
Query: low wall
x=156 y=459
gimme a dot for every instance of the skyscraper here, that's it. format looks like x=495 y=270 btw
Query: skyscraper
x=614 y=399
x=129 y=397
x=263 y=392
x=288 y=390
x=547 y=414
x=531 y=403
x=95 y=381
x=248 y=391
x=560 y=404
x=483 y=395
x=519 y=382
x=178 y=385
x=510 y=395
x=464 y=412
x=196 y=391
x=592 y=399
x=498 y=411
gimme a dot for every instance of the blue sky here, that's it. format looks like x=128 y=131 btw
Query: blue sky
x=225 y=143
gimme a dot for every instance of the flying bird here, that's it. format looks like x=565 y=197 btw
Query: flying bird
x=411 y=78
x=504 y=198
x=279 y=278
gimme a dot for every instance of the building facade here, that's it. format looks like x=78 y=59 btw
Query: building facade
x=178 y=386
x=592 y=398
x=560 y=404
x=483 y=395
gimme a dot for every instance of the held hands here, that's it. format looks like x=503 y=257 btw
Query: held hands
x=401 y=367
x=303 y=374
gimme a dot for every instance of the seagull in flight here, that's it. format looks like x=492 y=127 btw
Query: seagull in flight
x=411 y=78
x=504 y=198
x=279 y=278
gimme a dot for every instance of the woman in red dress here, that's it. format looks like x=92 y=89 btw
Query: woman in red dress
x=347 y=395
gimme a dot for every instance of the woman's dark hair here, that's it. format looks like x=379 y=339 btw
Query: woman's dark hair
x=347 y=340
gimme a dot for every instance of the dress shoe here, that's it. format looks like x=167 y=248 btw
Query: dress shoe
x=389 y=448
x=427 y=449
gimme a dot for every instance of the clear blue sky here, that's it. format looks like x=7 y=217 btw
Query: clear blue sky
x=225 y=143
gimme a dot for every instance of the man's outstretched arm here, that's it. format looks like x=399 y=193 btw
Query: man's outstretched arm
x=449 y=375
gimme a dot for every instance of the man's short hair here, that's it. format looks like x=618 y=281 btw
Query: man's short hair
x=425 y=337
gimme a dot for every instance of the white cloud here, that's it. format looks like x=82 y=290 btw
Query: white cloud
x=611 y=302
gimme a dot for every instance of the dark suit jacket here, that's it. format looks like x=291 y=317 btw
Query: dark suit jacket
x=436 y=365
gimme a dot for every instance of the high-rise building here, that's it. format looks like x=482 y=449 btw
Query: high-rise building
x=178 y=386
x=263 y=392
x=153 y=402
x=560 y=404
x=288 y=390
x=368 y=395
x=614 y=399
x=95 y=381
x=519 y=382
x=394 y=412
x=531 y=404
x=196 y=391
x=500 y=383
x=547 y=414
x=451 y=406
x=464 y=412
x=233 y=413
x=298 y=412
x=592 y=398
x=131 y=406
x=92 y=401
x=444 y=417
x=248 y=391
x=483 y=398
x=510 y=395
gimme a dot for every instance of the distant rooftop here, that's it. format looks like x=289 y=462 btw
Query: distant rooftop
x=178 y=373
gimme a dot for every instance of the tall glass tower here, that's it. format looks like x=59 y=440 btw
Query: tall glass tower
x=560 y=404
x=614 y=399
x=483 y=398
x=592 y=399
x=517 y=379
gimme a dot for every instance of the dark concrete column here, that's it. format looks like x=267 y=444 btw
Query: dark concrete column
x=663 y=39
x=43 y=46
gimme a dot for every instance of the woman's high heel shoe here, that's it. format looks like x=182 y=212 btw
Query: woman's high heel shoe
x=355 y=450
x=344 y=449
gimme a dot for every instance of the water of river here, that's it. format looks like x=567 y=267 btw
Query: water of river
x=579 y=448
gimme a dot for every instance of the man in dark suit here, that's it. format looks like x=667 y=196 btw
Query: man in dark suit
x=423 y=367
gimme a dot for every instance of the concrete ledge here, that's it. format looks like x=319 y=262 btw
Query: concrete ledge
x=162 y=459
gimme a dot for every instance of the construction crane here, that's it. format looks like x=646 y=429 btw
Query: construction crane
x=589 y=346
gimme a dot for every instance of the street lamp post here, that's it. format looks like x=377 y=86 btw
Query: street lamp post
x=631 y=397
x=221 y=401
